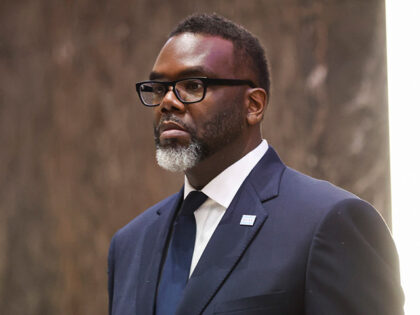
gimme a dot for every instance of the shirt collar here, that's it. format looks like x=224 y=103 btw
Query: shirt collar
x=224 y=186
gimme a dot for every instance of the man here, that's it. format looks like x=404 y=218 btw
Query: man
x=263 y=238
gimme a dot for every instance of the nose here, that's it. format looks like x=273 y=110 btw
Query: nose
x=170 y=102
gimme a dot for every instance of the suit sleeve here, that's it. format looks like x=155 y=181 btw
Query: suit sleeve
x=111 y=275
x=353 y=265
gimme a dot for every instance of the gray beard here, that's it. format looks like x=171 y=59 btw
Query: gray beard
x=178 y=158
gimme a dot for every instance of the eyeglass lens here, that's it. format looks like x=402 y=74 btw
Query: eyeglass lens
x=189 y=90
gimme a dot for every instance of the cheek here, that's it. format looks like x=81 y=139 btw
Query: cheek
x=197 y=115
x=226 y=123
x=156 y=116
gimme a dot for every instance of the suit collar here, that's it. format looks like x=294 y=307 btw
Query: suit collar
x=266 y=175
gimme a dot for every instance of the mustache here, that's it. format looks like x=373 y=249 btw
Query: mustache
x=171 y=118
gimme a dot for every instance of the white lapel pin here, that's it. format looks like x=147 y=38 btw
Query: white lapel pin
x=248 y=220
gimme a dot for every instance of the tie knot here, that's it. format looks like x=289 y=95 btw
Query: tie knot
x=193 y=201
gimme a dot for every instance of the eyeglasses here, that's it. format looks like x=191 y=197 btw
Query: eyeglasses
x=190 y=90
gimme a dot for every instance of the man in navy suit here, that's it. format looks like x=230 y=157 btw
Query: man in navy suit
x=267 y=239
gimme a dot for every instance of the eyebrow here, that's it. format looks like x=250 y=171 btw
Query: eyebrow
x=193 y=71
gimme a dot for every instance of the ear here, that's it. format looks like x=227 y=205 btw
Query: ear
x=256 y=105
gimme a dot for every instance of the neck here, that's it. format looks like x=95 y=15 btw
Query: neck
x=201 y=174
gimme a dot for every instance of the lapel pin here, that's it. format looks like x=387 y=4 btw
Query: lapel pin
x=248 y=220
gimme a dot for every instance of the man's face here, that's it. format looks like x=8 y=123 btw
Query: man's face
x=186 y=134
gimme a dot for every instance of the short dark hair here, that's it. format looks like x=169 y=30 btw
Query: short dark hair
x=247 y=47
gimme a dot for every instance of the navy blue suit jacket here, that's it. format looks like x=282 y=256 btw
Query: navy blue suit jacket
x=314 y=249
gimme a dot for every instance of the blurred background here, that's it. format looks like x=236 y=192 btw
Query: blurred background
x=76 y=146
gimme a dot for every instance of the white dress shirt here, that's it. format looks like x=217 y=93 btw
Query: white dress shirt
x=220 y=192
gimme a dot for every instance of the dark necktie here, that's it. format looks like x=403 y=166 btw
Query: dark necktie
x=175 y=272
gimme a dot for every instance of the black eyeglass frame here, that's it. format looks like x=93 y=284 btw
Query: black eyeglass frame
x=206 y=82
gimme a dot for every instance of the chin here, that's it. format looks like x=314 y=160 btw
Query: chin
x=171 y=143
x=175 y=157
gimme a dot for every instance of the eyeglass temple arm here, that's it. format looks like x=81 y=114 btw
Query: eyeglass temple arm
x=229 y=82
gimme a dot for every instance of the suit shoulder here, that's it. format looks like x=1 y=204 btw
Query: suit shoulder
x=306 y=189
x=145 y=217
x=317 y=199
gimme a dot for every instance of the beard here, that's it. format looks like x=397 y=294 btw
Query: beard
x=218 y=132
x=180 y=158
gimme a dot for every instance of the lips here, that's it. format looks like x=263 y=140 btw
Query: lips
x=171 y=129
x=170 y=125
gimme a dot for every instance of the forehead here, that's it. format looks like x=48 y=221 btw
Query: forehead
x=191 y=54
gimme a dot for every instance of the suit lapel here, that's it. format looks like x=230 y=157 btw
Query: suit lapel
x=230 y=239
x=154 y=243
x=223 y=251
